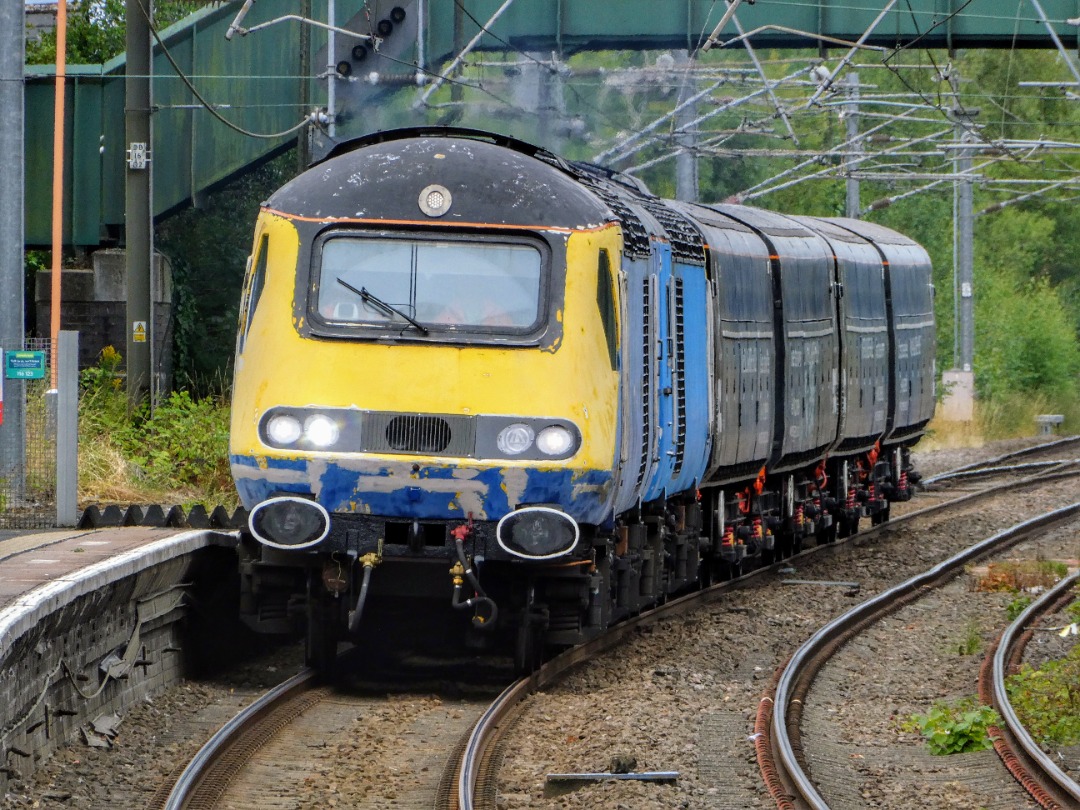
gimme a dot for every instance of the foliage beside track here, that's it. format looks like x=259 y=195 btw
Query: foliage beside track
x=1047 y=699
x=955 y=728
x=177 y=452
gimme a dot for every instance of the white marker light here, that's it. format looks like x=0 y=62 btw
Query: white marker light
x=515 y=439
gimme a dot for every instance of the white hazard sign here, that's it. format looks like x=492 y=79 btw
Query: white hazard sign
x=138 y=331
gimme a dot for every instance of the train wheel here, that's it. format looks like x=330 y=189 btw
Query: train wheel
x=323 y=634
x=846 y=527
x=529 y=645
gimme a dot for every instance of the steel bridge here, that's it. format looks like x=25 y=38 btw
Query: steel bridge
x=266 y=81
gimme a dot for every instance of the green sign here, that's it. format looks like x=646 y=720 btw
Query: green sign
x=24 y=365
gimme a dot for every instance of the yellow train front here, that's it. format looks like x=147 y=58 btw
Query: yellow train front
x=425 y=404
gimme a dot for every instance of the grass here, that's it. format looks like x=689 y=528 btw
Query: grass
x=179 y=454
x=1009 y=418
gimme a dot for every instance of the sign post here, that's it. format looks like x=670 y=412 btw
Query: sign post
x=24 y=365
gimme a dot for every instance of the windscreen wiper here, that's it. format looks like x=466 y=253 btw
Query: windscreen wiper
x=367 y=297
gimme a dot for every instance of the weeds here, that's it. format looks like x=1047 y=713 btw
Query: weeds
x=972 y=641
x=1017 y=606
x=1047 y=700
x=179 y=453
x=1006 y=417
x=957 y=728
x=1021 y=575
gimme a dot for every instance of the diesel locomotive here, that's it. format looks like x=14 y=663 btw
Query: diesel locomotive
x=519 y=398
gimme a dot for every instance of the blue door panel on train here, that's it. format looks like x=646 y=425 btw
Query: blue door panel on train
x=663 y=414
x=635 y=403
x=691 y=375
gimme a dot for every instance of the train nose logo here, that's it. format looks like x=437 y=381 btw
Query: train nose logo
x=435 y=200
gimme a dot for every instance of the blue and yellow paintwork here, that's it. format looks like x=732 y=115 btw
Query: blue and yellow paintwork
x=573 y=380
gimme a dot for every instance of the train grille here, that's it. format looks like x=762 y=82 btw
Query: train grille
x=646 y=378
x=419 y=433
x=635 y=234
x=685 y=239
x=680 y=377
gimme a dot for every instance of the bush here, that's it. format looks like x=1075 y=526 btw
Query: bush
x=957 y=728
x=1047 y=700
x=177 y=453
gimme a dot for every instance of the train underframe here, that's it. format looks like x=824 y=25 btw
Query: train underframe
x=384 y=579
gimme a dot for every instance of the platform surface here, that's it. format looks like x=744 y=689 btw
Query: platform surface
x=28 y=560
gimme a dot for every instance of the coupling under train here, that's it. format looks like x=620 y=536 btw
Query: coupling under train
x=521 y=398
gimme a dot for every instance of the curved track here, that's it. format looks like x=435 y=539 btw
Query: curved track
x=332 y=745
x=786 y=772
x=1032 y=767
x=1011 y=462
x=471 y=783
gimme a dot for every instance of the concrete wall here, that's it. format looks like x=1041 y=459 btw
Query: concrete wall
x=94 y=303
x=132 y=620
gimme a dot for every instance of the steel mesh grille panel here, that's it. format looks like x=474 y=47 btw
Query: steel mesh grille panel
x=686 y=243
x=680 y=377
x=423 y=434
x=635 y=235
x=646 y=376
x=27 y=450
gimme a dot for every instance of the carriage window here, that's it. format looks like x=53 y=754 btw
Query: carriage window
x=255 y=284
x=605 y=300
x=430 y=285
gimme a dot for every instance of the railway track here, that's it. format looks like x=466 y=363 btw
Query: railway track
x=813 y=773
x=1027 y=460
x=472 y=782
x=326 y=745
x=1051 y=787
x=476 y=773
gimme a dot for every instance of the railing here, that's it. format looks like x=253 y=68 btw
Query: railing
x=38 y=434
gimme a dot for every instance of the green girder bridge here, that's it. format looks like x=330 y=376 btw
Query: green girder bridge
x=268 y=81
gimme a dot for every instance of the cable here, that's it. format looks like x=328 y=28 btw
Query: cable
x=209 y=107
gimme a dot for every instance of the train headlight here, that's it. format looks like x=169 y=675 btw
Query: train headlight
x=321 y=430
x=289 y=522
x=537 y=533
x=515 y=439
x=283 y=429
x=337 y=430
x=554 y=440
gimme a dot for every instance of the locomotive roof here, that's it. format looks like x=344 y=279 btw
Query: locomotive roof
x=490 y=183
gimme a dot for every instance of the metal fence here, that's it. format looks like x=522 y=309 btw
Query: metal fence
x=27 y=438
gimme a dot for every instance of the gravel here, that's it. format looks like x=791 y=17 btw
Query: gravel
x=680 y=696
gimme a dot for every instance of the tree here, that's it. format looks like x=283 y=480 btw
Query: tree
x=96 y=30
